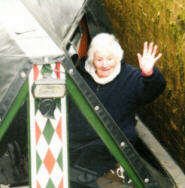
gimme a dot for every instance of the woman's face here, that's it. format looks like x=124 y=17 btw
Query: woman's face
x=104 y=63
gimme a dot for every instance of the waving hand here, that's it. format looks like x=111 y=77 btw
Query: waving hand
x=148 y=59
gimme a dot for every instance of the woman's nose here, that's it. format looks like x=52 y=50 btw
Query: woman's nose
x=105 y=64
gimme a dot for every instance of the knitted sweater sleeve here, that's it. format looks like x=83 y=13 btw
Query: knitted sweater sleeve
x=148 y=88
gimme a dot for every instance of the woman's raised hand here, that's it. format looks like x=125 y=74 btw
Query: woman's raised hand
x=148 y=59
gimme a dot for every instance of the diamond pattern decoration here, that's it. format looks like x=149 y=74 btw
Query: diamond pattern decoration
x=42 y=147
x=49 y=161
x=59 y=129
x=48 y=131
x=37 y=132
x=57 y=115
x=59 y=159
x=41 y=120
x=38 y=161
x=38 y=185
x=61 y=185
x=56 y=175
x=42 y=176
x=47 y=136
x=36 y=105
x=50 y=184
x=55 y=145
x=58 y=102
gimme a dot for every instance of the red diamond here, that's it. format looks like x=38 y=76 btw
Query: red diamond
x=37 y=132
x=38 y=185
x=59 y=128
x=61 y=185
x=49 y=161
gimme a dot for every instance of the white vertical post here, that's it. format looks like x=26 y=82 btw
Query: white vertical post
x=48 y=137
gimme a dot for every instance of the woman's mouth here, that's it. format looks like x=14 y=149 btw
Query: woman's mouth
x=105 y=68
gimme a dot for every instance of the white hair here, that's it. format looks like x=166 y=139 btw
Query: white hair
x=105 y=42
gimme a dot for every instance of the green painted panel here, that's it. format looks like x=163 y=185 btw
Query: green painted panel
x=19 y=100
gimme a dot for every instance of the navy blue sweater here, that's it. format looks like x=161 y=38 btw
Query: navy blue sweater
x=120 y=97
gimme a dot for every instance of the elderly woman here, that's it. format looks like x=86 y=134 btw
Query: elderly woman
x=121 y=88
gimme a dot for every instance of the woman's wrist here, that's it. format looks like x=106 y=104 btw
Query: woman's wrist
x=147 y=73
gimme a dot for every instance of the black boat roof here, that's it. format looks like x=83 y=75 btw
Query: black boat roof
x=31 y=32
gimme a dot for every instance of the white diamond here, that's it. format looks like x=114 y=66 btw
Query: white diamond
x=57 y=115
x=55 y=145
x=56 y=175
x=41 y=120
x=42 y=147
x=43 y=176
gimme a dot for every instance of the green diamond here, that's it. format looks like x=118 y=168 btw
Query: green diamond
x=58 y=102
x=36 y=105
x=38 y=161
x=50 y=184
x=48 y=131
x=59 y=160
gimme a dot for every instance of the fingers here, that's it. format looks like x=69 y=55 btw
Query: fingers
x=145 y=48
x=158 y=57
x=154 y=51
x=139 y=57
x=150 y=48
